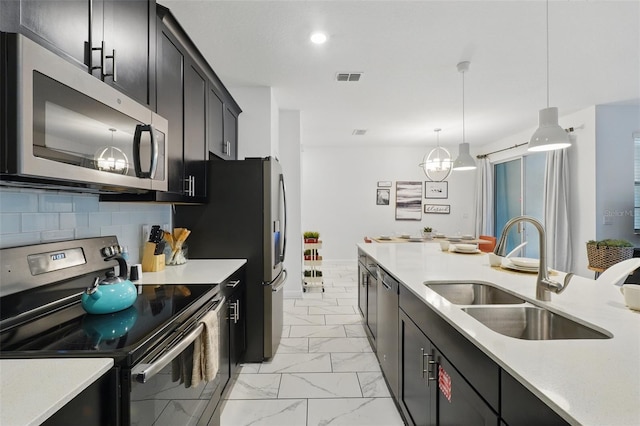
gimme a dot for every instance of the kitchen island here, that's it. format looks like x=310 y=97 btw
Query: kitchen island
x=31 y=390
x=584 y=381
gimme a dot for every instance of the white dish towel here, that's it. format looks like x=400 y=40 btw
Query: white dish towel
x=206 y=352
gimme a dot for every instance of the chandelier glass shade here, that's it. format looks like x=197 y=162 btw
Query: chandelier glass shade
x=437 y=163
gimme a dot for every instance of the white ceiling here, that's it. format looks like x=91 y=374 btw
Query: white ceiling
x=408 y=51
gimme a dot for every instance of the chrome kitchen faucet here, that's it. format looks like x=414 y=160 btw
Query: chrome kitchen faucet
x=544 y=285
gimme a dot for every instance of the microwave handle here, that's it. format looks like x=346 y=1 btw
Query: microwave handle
x=136 y=151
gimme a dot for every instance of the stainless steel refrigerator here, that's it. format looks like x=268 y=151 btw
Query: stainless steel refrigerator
x=246 y=218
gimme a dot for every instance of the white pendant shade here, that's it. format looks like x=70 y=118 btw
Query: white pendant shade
x=549 y=135
x=464 y=161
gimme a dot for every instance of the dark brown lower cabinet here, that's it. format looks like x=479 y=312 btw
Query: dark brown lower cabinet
x=521 y=407
x=432 y=391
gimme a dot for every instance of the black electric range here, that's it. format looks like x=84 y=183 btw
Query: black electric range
x=41 y=316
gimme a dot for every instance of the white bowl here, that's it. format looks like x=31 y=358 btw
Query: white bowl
x=525 y=262
x=494 y=259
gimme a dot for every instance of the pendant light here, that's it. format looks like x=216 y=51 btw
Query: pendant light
x=549 y=135
x=437 y=163
x=464 y=160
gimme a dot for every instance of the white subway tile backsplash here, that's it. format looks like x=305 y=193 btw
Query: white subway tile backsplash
x=85 y=204
x=109 y=207
x=86 y=232
x=9 y=223
x=17 y=202
x=31 y=216
x=74 y=220
x=61 y=235
x=14 y=240
x=40 y=222
x=98 y=219
x=55 y=203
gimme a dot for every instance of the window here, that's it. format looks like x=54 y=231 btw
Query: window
x=636 y=179
x=519 y=189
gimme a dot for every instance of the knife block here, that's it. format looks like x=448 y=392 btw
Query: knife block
x=152 y=262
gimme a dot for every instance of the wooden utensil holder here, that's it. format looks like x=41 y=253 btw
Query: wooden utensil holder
x=152 y=262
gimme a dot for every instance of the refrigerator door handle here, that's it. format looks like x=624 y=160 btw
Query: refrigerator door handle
x=278 y=284
x=284 y=234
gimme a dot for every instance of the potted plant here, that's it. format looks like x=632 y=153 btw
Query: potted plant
x=311 y=237
x=314 y=273
x=312 y=255
x=605 y=253
x=427 y=232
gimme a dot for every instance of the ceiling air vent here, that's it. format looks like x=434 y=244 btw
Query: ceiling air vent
x=359 y=132
x=348 y=76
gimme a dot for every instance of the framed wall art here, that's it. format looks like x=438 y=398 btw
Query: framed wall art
x=408 y=200
x=437 y=208
x=436 y=189
x=383 y=196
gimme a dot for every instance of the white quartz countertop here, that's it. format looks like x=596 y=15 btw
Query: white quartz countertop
x=31 y=390
x=195 y=271
x=588 y=382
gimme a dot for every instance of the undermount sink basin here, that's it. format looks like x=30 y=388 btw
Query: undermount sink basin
x=532 y=323
x=473 y=293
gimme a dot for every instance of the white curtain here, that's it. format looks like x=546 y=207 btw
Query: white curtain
x=484 y=198
x=556 y=211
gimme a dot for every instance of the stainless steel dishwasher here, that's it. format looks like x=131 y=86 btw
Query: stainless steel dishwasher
x=388 y=336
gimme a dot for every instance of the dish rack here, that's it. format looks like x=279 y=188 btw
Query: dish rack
x=312 y=275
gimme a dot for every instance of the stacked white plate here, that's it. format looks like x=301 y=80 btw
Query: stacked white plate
x=523 y=264
x=465 y=248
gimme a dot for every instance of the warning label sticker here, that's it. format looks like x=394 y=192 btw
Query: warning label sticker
x=444 y=383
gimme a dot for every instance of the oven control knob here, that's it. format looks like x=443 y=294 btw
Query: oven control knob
x=108 y=251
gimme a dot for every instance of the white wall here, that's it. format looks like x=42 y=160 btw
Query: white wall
x=339 y=195
x=615 y=126
x=289 y=131
x=258 y=122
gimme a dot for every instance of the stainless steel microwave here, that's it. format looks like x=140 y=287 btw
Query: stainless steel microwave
x=64 y=127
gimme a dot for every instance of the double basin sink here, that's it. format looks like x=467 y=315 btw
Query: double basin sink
x=510 y=315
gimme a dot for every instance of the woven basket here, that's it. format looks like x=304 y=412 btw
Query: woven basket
x=603 y=256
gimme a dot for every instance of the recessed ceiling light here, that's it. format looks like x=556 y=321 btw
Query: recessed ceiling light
x=318 y=38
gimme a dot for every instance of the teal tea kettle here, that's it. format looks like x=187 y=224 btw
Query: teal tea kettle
x=112 y=293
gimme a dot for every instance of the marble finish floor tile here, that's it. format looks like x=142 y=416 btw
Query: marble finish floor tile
x=296 y=310
x=249 y=368
x=331 y=310
x=292 y=319
x=317 y=331
x=354 y=330
x=366 y=361
x=297 y=363
x=320 y=385
x=373 y=385
x=267 y=412
x=316 y=302
x=274 y=392
x=338 y=344
x=256 y=386
x=348 y=302
x=353 y=412
x=343 y=319
x=293 y=345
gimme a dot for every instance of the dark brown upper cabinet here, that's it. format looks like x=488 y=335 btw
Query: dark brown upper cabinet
x=114 y=40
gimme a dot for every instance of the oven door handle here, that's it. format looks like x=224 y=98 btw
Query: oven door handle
x=143 y=372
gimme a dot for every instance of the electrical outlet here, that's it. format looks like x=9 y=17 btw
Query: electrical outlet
x=146 y=231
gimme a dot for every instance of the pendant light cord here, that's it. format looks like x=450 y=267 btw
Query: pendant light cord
x=547 y=22
x=463 y=134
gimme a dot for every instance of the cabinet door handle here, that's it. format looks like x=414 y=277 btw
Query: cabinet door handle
x=233 y=284
x=101 y=65
x=237 y=317
x=430 y=362
x=114 y=72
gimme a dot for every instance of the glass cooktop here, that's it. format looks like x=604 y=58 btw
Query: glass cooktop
x=71 y=329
